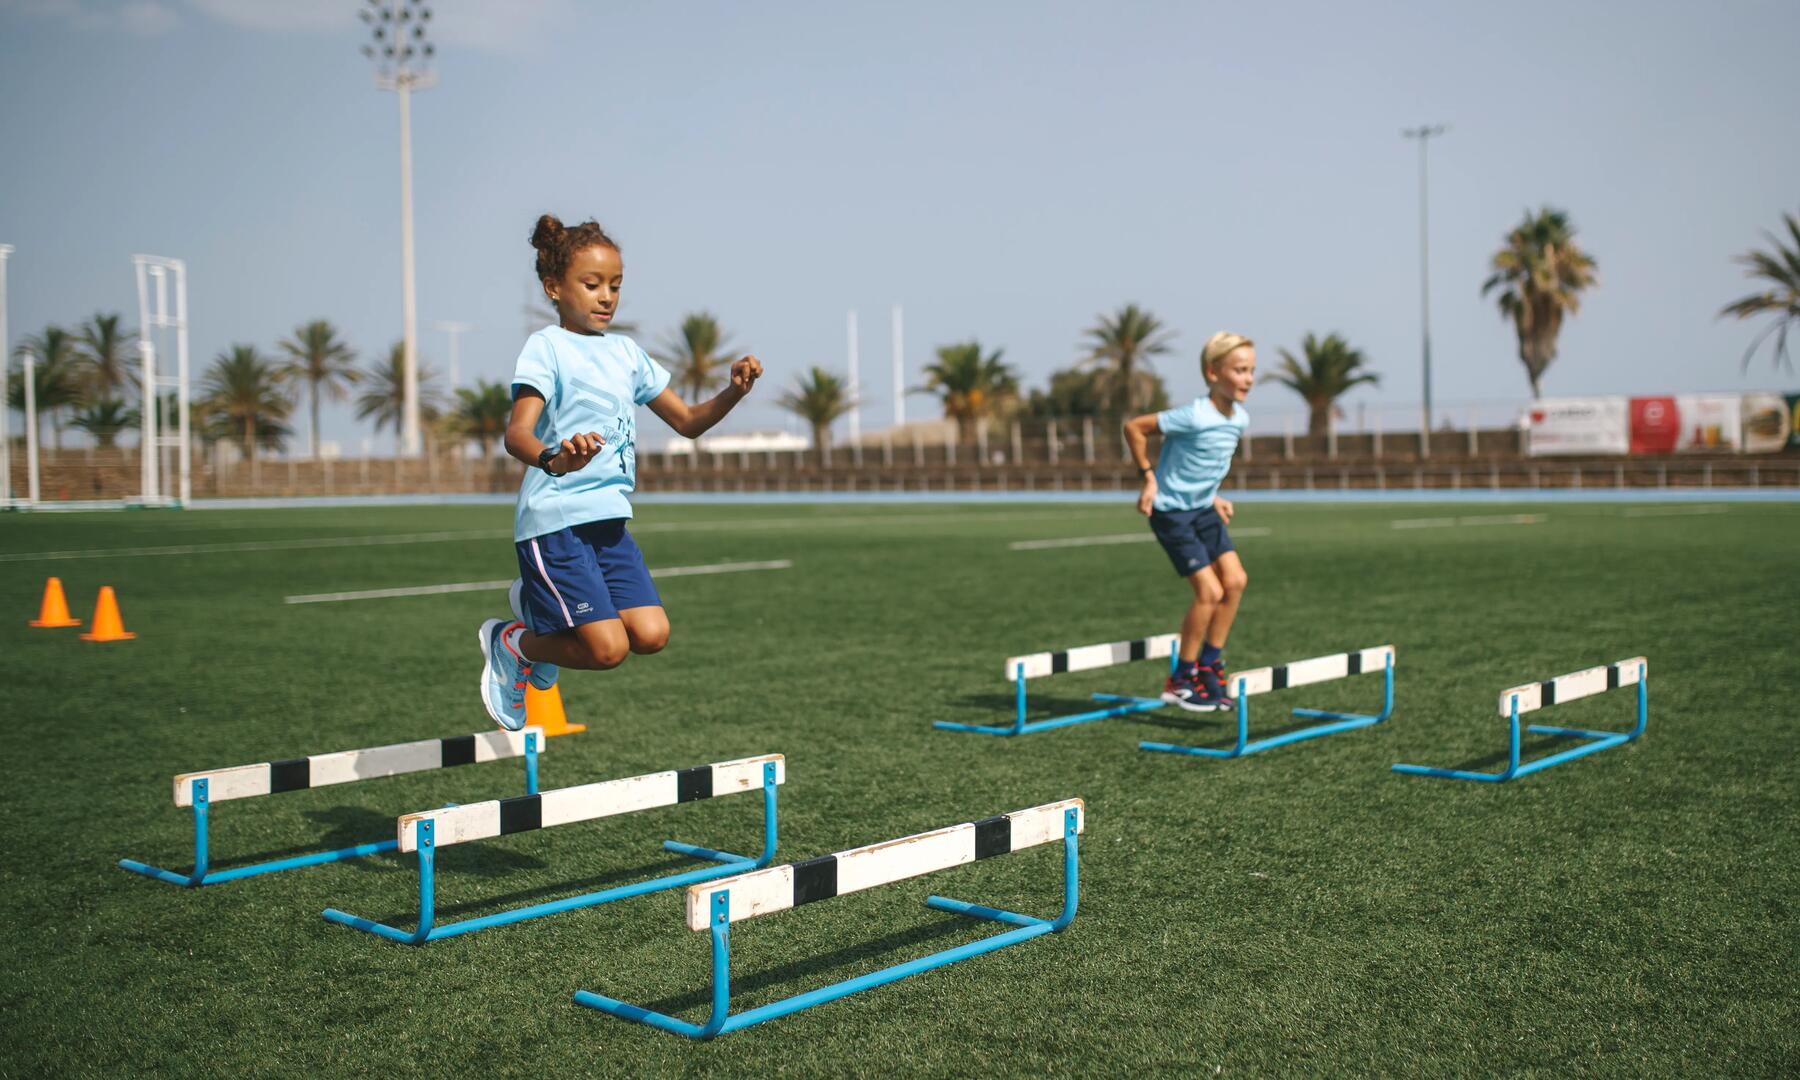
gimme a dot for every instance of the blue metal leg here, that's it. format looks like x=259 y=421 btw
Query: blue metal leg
x=1020 y=726
x=1244 y=747
x=1597 y=741
x=1025 y=928
x=729 y=864
x=200 y=876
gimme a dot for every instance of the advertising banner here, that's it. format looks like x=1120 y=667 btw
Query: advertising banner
x=1768 y=423
x=1687 y=422
x=1578 y=426
x=1793 y=401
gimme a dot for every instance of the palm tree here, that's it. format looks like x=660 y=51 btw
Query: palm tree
x=1781 y=266
x=1121 y=348
x=1332 y=369
x=316 y=355
x=385 y=398
x=1078 y=391
x=819 y=398
x=481 y=414
x=55 y=383
x=244 y=400
x=104 y=419
x=106 y=350
x=971 y=385
x=698 y=354
x=1540 y=274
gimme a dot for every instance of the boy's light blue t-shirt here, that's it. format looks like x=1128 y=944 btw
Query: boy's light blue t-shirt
x=590 y=382
x=1198 y=442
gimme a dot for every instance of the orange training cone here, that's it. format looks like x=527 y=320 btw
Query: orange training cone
x=107 y=624
x=54 y=611
x=545 y=708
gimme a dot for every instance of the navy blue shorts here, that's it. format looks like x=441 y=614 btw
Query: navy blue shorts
x=582 y=574
x=1192 y=538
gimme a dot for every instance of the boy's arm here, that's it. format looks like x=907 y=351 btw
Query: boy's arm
x=693 y=421
x=573 y=453
x=1137 y=440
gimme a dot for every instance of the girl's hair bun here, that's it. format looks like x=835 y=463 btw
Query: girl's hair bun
x=544 y=235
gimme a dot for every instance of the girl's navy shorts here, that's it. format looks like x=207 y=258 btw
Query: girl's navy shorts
x=1192 y=538
x=583 y=574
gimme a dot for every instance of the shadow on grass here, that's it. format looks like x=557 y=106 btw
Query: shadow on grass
x=561 y=890
x=345 y=826
x=1530 y=747
x=814 y=966
x=1037 y=708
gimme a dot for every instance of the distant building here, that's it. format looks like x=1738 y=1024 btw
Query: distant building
x=751 y=442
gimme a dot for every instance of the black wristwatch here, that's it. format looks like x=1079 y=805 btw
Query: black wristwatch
x=1147 y=471
x=546 y=456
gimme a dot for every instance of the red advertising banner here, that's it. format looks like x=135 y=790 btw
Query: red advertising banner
x=1686 y=422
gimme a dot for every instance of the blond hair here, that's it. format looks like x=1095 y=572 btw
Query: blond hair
x=1217 y=348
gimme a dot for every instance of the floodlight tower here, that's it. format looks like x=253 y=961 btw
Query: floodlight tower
x=401 y=53
x=455 y=330
x=5 y=379
x=1425 y=133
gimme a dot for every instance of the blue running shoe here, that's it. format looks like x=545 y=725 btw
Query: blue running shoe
x=543 y=676
x=503 y=674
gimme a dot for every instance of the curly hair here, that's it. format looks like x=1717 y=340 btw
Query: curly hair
x=556 y=243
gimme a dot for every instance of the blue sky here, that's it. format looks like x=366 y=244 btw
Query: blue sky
x=1006 y=171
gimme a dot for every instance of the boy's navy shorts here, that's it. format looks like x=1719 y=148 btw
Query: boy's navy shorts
x=1192 y=538
x=582 y=574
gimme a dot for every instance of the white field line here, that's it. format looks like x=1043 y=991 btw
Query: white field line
x=1672 y=511
x=259 y=545
x=1480 y=519
x=379 y=540
x=1114 y=538
x=485 y=586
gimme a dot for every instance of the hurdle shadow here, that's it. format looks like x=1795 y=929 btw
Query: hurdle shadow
x=345 y=826
x=1528 y=747
x=1041 y=707
x=542 y=892
x=814 y=966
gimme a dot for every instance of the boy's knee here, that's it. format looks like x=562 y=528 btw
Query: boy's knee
x=1234 y=582
x=1207 y=590
x=647 y=643
x=607 y=651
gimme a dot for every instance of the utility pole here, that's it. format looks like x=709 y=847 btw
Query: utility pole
x=899 y=371
x=401 y=52
x=455 y=330
x=5 y=378
x=1425 y=133
x=855 y=384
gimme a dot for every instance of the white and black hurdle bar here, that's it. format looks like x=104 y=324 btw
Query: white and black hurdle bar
x=1557 y=691
x=425 y=832
x=715 y=906
x=1081 y=658
x=200 y=790
x=1286 y=677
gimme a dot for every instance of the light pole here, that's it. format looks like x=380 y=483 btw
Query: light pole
x=1425 y=133
x=455 y=330
x=401 y=52
x=5 y=380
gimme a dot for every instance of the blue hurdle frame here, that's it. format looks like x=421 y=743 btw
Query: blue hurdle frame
x=202 y=875
x=1244 y=747
x=428 y=930
x=1020 y=726
x=1597 y=741
x=722 y=1020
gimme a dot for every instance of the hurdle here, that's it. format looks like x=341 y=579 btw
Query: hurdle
x=717 y=905
x=1081 y=658
x=1557 y=691
x=201 y=789
x=1288 y=676
x=429 y=830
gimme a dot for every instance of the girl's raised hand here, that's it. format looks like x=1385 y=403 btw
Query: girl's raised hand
x=745 y=372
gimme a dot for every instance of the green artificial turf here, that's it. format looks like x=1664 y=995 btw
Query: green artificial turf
x=1302 y=911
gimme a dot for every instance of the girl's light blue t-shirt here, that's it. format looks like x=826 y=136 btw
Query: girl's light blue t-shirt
x=590 y=382
x=1198 y=442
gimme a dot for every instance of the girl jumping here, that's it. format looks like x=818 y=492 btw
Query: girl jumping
x=584 y=598
x=1188 y=515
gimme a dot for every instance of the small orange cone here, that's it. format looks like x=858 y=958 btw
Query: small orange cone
x=107 y=624
x=54 y=611
x=545 y=708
